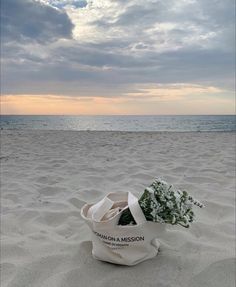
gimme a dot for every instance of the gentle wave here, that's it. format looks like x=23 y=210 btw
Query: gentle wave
x=121 y=123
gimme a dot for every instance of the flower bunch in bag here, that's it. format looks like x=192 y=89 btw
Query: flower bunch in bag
x=162 y=203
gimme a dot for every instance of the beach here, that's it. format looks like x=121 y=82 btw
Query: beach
x=47 y=176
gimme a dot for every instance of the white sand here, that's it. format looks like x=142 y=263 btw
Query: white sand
x=47 y=177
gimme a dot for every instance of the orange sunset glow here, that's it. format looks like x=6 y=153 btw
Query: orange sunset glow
x=78 y=57
x=59 y=105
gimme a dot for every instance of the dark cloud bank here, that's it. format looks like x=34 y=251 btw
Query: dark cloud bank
x=27 y=20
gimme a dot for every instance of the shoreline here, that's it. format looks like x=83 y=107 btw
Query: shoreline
x=114 y=131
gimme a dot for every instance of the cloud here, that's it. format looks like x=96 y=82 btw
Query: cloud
x=107 y=48
x=171 y=92
x=75 y=69
x=28 y=20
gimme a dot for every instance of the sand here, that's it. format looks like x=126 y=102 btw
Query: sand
x=47 y=176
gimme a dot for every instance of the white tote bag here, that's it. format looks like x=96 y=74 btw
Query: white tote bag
x=125 y=245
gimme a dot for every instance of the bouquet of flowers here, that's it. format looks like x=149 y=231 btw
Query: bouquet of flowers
x=130 y=245
x=162 y=203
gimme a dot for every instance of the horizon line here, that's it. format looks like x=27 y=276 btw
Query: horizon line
x=117 y=115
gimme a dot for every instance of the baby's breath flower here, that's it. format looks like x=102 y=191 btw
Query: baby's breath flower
x=161 y=203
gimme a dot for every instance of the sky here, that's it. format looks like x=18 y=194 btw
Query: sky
x=117 y=57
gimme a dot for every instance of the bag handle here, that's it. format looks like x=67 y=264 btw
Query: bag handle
x=135 y=209
x=98 y=210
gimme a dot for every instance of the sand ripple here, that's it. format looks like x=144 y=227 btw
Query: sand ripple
x=48 y=176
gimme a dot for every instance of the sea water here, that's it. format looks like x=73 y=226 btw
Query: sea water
x=122 y=123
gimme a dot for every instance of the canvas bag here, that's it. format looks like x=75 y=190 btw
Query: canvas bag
x=125 y=245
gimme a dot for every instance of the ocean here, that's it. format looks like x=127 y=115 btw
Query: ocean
x=122 y=123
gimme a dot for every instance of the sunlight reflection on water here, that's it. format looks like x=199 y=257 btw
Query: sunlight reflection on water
x=121 y=123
